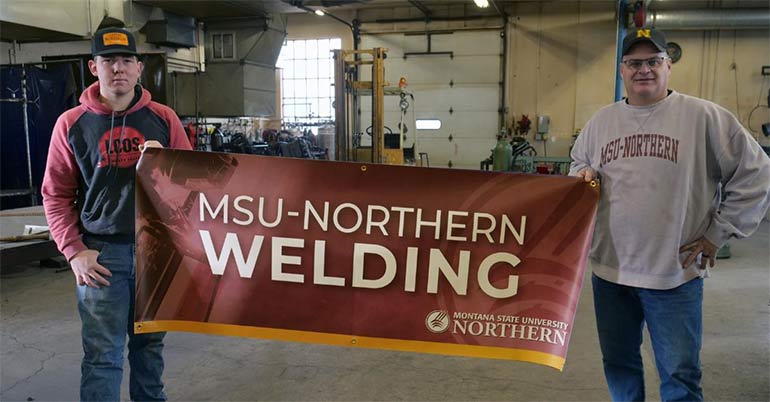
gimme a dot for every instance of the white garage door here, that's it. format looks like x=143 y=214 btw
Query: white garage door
x=463 y=92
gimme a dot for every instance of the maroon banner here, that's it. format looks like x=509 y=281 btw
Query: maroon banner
x=404 y=258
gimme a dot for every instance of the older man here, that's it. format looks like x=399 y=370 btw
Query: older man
x=664 y=159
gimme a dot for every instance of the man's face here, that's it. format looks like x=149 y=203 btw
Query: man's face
x=117 y=73
x=645 y=82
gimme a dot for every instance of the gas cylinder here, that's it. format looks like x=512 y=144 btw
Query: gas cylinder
x=502 y=155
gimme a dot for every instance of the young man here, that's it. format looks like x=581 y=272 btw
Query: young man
x=663 y=159
x=88 y=195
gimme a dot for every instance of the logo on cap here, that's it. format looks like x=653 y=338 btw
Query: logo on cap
x=115 y=38
x=643 y=33
x=113 y=41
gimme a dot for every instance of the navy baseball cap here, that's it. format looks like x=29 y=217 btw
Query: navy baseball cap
x=113 y=41
x=657 y=38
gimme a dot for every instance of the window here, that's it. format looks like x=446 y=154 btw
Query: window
x=308 y=79
x=428 y=124
x=223 y=45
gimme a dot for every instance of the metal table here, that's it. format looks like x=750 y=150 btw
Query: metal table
x=12 y=223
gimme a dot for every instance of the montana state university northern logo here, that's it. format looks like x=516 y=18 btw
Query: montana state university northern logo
x=437 y=321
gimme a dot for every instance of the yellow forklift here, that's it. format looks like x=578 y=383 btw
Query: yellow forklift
x=387 y=147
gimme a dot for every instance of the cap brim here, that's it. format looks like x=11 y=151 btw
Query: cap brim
x=639 y=40
x=116 y=51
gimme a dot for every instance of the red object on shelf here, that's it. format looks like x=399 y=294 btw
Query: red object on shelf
x=190 y=129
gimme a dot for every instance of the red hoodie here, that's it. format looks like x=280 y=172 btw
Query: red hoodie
x=88 y=186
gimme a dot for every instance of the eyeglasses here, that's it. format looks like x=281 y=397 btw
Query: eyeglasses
x=653 y=62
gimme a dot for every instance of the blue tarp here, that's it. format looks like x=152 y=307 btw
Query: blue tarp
x=49 y=92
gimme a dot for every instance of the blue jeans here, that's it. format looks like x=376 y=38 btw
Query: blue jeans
x=674 y=320
x=107 y=315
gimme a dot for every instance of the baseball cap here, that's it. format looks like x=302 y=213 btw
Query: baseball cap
x=113 y=41
x=657 y=38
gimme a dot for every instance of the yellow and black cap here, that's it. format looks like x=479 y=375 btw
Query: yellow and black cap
x=657 y=38
x=113 y=41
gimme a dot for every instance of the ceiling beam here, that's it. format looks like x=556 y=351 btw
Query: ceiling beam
x=499 y=10
x=300 y=4
x=425 y=10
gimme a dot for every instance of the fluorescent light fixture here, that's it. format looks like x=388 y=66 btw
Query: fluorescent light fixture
x=481 y=3
x=321 y=13
x=428 y=124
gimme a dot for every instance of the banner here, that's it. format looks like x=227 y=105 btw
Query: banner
x=430 y=260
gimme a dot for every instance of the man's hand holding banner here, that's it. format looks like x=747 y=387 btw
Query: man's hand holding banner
x=428 y=260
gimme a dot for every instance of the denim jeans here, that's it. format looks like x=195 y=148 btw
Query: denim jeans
x=107 y=315
x=674 y=320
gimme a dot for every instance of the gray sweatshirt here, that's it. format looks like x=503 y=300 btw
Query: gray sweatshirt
x=660 y=168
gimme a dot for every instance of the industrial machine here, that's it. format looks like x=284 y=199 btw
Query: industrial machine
x=387 y=144
x=518 y=155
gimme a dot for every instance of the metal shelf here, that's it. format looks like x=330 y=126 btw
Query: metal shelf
x=13 y=193
x=528 y=164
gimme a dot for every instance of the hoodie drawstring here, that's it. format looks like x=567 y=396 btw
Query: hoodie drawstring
x=110 y=145
x=120 y=139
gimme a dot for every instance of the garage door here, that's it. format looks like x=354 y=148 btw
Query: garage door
x=463 y=92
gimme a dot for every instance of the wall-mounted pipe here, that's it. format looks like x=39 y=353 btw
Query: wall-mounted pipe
x=433 y=19
x=90 y=28
x=709 y=19
x=620 y=33
x=503 y=72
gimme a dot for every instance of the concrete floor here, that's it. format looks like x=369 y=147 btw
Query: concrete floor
x=41 y=352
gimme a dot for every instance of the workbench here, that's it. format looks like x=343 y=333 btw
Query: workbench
x=12 y=223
